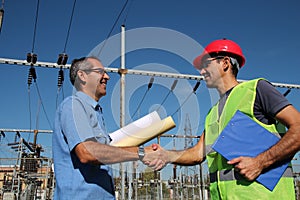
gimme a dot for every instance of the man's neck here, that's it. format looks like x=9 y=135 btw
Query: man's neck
x=226 y=85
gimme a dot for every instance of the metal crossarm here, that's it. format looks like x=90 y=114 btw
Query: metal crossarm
x=130 y=71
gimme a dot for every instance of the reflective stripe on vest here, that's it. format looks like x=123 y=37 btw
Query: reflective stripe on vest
x=231 y=174
x=208 y=149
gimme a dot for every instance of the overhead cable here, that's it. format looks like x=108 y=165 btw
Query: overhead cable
x=170 y=91
x=35 y=25
x=149 y=87
x=63 y=57
x=111 y=30
x=128 y=9
x=32 y=76
x=193 y=92
x=1 y=15
x=38 y=92
x=32 y=57
x=68 y=33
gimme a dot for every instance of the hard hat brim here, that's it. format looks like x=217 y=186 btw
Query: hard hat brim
x=198 y=60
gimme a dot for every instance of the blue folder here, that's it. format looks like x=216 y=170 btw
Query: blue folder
x=244 y=137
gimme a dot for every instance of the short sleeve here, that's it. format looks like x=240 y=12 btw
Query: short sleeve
x=269 y=101
x=75 y=123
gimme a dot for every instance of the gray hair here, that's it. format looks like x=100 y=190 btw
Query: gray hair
x=235 y=63
x=79 y=64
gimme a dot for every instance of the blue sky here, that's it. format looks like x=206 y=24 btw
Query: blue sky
x=267 y=31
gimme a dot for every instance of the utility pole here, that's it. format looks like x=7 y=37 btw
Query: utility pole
x=122 y=103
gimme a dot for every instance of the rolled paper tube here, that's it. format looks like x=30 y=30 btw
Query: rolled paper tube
x=141 y=123
x=143 y=135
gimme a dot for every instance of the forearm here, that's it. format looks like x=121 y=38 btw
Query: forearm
x=191 y=156
x=287 y=147
x=93 y=152
x=185 y=157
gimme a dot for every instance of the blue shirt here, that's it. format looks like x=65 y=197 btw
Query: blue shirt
x=76 y=121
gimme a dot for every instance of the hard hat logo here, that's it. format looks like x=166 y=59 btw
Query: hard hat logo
x=221 y=47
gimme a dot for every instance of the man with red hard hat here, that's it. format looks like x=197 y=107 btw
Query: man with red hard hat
x=219 y=63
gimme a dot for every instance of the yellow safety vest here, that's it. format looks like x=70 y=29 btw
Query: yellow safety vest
x=225 y=182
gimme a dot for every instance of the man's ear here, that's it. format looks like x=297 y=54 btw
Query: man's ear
x=81 y=77
x=226 y=64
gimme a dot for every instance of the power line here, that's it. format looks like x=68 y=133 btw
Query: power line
x=193 y=92
x=128 y=9
x=170 y=91
x=113 y=27
x=40 y=97
x=1 y=15
x=149 y=87
x=32 y=75
x=68 y=33
x=35 y=24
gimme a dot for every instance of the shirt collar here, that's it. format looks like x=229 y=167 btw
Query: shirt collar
x=89 y=100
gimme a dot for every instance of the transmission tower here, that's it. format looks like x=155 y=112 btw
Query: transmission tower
x=188 y=132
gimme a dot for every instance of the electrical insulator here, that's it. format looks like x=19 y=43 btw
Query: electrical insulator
x=29 y=80
x=287 y=92
x=31 y=58
x=150 y=83
x=60 y=58
x=60 y=78
x=174 y=85
x=65 y=60
x=31 y=75
x=17 y=136
x=34 y=58
x=196 y=86
x=2 y=133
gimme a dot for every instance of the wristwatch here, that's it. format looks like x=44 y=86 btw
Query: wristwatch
x=141 y=153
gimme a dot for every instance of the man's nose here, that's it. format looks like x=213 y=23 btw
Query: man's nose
x=106 y=76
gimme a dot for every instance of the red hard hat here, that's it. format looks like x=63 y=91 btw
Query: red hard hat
x=222 y=46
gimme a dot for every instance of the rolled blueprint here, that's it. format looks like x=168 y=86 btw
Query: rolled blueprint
x=142 y=130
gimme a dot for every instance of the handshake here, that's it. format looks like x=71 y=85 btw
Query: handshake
x=155 y=157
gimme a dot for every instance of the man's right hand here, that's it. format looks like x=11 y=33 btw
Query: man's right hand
x=155 y=157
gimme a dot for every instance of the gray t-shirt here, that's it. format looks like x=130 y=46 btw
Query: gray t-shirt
x=268 y=102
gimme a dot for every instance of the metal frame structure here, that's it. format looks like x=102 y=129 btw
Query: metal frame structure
x=130 y=71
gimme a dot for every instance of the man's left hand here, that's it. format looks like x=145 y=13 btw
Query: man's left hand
x=249 y=167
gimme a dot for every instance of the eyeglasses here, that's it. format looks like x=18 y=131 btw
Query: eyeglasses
x=97 y=70
x=207 y=62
